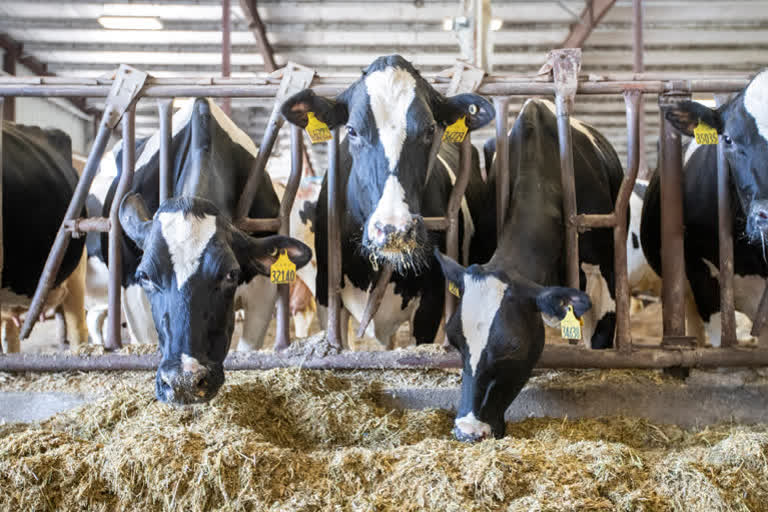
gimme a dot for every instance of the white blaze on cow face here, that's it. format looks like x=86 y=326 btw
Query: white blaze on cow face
x=391 y=210
x=479 y=305
x=472 y=426
x=190 y=365
x=756 y=102
x=186 y=236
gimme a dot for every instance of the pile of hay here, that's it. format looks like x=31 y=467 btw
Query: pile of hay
x=304 y=440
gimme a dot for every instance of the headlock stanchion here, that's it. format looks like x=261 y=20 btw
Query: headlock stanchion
x=502 y=163
x=725 y=234
x=165 y=115
x=2 y=255
x=335 y=207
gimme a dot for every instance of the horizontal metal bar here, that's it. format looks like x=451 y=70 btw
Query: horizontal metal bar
x=255 y=225
x=586 y=221
x=554 y=356
x=436 y=223
x=87 y=224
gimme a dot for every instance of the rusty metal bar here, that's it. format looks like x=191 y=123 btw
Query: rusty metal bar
x=82 y=225
x=113 y=340
x=725 y=234
x=502 y=163
x=761 y=316
x=226 y=50
x=164 y=112
x=335 y=207
x=374 y=298
x=586 y=221
x=257 y=225
x=260 y=163
x=436 y=223
x=637 y=67
x=2 y=253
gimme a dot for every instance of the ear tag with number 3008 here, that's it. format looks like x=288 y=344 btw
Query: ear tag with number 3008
x=570 y=326
x=283 y=270
x=705 y=134
x=453 y=289
x=457 y=131
x=317 y=130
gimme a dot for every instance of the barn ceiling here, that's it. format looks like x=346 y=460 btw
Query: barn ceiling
x=344 y=36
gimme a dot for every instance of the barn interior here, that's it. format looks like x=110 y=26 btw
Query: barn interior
x=374 y=432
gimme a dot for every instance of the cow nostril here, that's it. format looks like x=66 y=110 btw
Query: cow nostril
x=202 y=383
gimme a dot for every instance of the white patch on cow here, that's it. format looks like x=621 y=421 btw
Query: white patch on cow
x=641 y=275
x=690 y=150
x=756 y=102
x=472 y=426
x=479 y=304
x=391 y=210
x=9 y=298
x=257 y=299
x=389 y=316
x=190 y=365
x=138 y=315
x=186 y=236
x=600 y=295
x=575 y=123
x=391 y=92
x=469 y=225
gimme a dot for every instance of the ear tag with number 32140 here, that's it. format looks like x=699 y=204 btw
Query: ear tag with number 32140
x=317 y=130
x=457 y=131
x=570 y=326
x=705 y=134
x=283 y=270
x=453 y=289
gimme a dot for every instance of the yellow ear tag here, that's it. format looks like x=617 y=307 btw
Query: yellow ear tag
x=705 y=134
x=317 y=130
x=282 y=271
x=457 y=131
x=453 y=289
x=570 y=326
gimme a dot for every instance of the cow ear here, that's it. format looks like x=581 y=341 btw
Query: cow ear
x=686 y=115
x=256 y=255
x=477 y=110
x=135 y=219
x=452 y=271
x=331 y=112
x=554 y=301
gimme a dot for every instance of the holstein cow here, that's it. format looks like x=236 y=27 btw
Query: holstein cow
x=497 y=326
x=189 y=259
x=37 y=170
x=742 y=123
x=390 y=115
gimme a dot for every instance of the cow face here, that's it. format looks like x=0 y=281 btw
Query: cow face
x=393 y=120
x=742 y=123
x=497 y=328
x=193 y=260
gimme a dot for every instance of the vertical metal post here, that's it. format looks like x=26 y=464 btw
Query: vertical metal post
x=638 y=67
x=672 y=246
x=164 y=112
x=502 y=163
x=113 y=340
x=9 y=66
x=333 y=330
x=226 y=50
x=725 y=233
x=2 y=234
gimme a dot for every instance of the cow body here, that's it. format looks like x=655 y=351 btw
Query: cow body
x=37 y=170
x=498 y=324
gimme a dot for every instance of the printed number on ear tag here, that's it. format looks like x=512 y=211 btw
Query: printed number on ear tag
x=317 y=130
x=570 y=326
x=457 y=131
x=705 y=134
x=283 y=270
x=453 y=289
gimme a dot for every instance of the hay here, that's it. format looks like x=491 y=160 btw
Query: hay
x=309 y=440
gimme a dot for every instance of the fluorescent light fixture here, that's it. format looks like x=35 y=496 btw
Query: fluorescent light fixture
x=496 y=24
x=447 y=25
x=130 y=23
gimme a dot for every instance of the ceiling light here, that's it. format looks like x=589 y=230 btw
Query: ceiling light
x=496 y=24
x=130 y=23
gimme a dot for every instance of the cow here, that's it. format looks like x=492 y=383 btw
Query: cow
x=37 y=170
x=742 y=123
x=497 y=326
x=187 y=258
x=390 y=116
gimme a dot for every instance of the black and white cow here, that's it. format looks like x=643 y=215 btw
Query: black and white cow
x=390 y=115
x=497 y=327
x=742 y=123
x=186 y=255
x=38 y=184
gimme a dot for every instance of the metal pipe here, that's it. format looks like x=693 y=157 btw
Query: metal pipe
x=335 y=207
x=2 y=253
x=250 y=225
x=568 y=184
x=165 y=114
x=226 y=51
x=637 y=67
x=374 y=298
x=113 y=340
x=60 y=244
x=725 y=234
x=502 y=163
x=82 y=225
x=587 y=221
x=260 y=163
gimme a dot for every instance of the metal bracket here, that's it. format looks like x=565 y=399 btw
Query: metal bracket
x=295 y=78
x=565 y=65
x=464 y=78
x=124 y=93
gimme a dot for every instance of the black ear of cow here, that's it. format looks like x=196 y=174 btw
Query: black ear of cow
x=452 y=271
x=331 y=112
x=256 y=255
x=554 y=301
x=686 y=115
x=478 y=110
x=135 y=219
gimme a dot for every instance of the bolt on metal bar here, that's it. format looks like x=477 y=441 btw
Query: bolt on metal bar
x=335 y=198
x=165 y=114
x=502 y=163
x=725 y=234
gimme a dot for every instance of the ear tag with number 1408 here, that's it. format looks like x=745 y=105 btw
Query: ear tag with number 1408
x=570 y=326
x=705 y=134
x=317 y=130
x=283 y=270
x=457 y=131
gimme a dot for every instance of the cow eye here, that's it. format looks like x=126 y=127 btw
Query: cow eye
x=144 y=280
x=351 y=131
x=232 y=276
x=727 y=139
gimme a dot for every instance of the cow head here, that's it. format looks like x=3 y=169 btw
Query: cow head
x=193 y=260
x=497 y=328
x=742 y=123
x=393 y=120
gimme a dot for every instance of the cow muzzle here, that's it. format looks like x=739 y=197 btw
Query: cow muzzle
x=187 y=383
x=469 y=429
x=395 y=236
